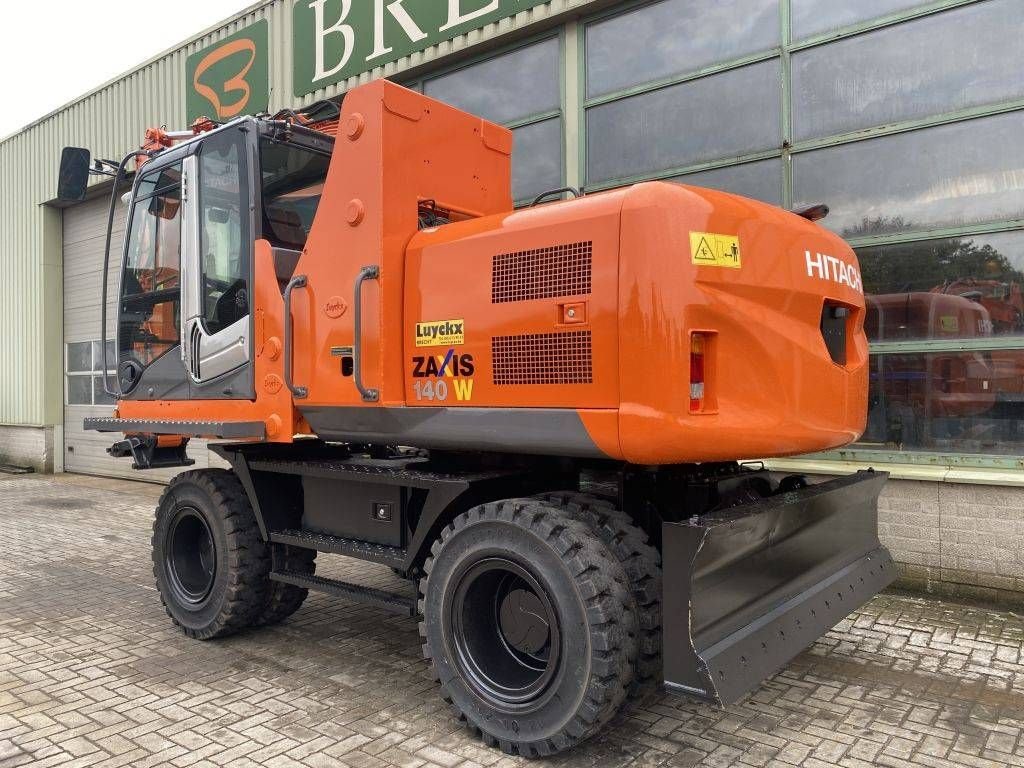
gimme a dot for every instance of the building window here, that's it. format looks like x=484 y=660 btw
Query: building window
x=815 y=17
x=520 y=89
x=685 y=124
x=663 y=103
x=954 y=175
x=956 y=401
x=761 y=180
x=905 y=72
x=659 y=41
x=83 y=369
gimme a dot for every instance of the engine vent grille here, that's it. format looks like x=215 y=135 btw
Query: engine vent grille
x=543 y=273
x=543 y=358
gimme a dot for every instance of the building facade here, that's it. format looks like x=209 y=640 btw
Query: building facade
x=906 y=117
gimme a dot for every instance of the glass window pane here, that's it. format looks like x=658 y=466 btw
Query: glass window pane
x=100 y=397
x=79 y=390
x=724 y=115
x=962 y=402
x=952 y=175
x=509 y=87
x=761 y=180
x=906 y=71
x=812 y=17
x=954 y=288
x=150 y=287
x=97 y=356
x=80 y=356
x=674 y=37
x=537 y=159
x=225 y=242
x=293 y=183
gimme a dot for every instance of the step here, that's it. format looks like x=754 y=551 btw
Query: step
x=393 y=557
x=389 y=601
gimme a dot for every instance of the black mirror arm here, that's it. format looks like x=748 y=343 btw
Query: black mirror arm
x=101 y=167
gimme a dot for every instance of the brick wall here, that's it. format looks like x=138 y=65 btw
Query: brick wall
x=27 y=447
x=956 y=539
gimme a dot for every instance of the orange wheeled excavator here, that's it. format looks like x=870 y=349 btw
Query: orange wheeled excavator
x=534 y=415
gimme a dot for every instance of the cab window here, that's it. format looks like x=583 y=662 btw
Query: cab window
x=225 y=243
x=293 y=181
x=150 y=283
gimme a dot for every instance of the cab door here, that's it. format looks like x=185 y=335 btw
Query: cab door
x=216 y=321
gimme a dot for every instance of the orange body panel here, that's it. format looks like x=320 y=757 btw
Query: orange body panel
x=395 y=149
x=442 y=311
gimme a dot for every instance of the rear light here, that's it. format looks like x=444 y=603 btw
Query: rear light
x=698 y=348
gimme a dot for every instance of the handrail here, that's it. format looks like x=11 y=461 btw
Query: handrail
x=371 y=272
x=299 y=281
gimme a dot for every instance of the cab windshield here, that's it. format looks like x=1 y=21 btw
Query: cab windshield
x=293 y=181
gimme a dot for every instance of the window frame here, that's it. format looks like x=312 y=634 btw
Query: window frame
x=93 y=374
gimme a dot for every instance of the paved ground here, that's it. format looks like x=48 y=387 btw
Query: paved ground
x=92 y=673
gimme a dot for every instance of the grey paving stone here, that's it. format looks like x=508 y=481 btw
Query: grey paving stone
x=93 y=673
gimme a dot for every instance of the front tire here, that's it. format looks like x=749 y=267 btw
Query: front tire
x=528 y=623
x=210 y=564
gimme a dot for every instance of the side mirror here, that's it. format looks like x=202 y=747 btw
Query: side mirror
x=74 y=174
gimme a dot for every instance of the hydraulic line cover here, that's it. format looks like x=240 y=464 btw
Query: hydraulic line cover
x=748 y=588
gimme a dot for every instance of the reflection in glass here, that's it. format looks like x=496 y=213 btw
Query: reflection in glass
x=906 y=71
x=954 y=288
x=951 y=175
x=811 y=17
x=724 y=115
x=761 y=180
x=536 y=159
x=661 y=40
x=963 y=402
x=509 y=87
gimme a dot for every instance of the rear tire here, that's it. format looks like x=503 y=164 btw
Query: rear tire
x=285 y=599
x=642 y=564
x=528 y=624
x=210 y=564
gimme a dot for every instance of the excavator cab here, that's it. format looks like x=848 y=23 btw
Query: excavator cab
x=185 y=321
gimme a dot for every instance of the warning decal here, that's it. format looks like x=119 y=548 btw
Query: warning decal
x=711 y=250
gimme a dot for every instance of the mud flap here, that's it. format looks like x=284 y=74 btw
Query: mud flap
x=747 y=589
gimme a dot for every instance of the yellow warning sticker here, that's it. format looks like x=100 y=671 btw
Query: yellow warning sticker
x=711 y=250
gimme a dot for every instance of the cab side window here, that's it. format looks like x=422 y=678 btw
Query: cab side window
x=225 y=240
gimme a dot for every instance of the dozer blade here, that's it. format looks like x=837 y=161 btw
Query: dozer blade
x=748 y=588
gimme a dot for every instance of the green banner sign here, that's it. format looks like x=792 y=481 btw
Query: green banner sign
x=230 y=77
x=336 y=39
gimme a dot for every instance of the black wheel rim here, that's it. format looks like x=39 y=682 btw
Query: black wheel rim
x=504 y=631
x=190 y=558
